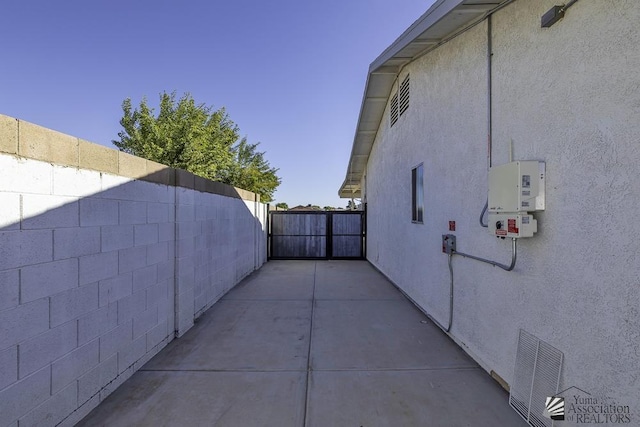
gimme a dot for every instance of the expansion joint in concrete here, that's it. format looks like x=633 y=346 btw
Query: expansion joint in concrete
x=309 y=366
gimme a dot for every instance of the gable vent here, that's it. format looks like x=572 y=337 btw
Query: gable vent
x=404 y=95
x=393 y=115
x=536 y=377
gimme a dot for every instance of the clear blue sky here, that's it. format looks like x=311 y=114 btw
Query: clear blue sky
x=290 y=73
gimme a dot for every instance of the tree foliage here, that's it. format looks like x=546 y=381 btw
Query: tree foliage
x=282 y=205
x=197 y=138
x=251 y=171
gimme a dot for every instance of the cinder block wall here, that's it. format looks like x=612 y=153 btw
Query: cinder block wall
x=104 y=259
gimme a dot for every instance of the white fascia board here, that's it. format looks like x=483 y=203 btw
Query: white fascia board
x=388 y=63
x=435 y=13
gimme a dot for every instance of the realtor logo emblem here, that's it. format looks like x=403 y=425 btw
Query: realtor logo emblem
x=554 y=408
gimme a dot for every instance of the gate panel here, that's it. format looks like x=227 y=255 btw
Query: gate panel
x=298 y=235
x=346 y=235
x=316 y=234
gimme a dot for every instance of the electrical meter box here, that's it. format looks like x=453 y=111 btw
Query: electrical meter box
x=517 y=187
x=516 y=224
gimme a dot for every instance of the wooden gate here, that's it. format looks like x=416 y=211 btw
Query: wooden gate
x=316 y=235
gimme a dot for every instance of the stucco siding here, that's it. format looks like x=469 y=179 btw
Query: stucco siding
x=568 y=95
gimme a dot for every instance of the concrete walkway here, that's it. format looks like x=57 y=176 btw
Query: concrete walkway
x=304 y=343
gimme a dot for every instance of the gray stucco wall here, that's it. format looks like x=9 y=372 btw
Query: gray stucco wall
x=568 y=95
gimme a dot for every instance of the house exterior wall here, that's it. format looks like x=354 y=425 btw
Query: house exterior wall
x=568 y=95
x=100 y=270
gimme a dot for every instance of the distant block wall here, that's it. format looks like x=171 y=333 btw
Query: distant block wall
x=104 y=259
x=219 y=242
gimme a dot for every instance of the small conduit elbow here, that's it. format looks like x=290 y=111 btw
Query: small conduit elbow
x=449 y=247
x=481 y=219
x=450 y=293
x=440 y=325
x=514 y=256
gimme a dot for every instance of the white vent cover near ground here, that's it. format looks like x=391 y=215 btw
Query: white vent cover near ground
x=536 y=377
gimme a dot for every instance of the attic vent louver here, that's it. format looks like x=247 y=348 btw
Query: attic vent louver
x=393 y=115
x=404 y=95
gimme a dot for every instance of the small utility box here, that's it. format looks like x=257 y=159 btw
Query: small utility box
x=448 y=243
x=517 y=187
x=515 y=190
x=512 y=224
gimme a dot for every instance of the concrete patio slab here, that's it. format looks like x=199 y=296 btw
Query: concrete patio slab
x=361 y=282
x=380 y=335
x=228 y=399
x=243 y=335
x=274 y=287
x=273 y=353
x=433 y=398
x=334 y=284
x=301 y=267
x=342 y=266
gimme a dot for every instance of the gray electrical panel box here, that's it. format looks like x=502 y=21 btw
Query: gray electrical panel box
x=517 y=187
x=448 y=243
x=514 y=224
x=515 y=190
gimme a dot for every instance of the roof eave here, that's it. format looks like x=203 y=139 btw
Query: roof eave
x=444 y=19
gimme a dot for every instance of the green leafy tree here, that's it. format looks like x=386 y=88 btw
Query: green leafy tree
x=251 y=171
x=196 y=138
x=183 y=135
x=282 y=205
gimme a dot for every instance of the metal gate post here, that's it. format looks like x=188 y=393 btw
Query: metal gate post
x=363 y=221
x=269 y=236
x=329 y=235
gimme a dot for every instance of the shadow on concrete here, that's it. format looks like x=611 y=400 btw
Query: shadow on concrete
x=306 y=343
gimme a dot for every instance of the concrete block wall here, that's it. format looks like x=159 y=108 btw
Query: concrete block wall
x=205 y=223
x=104 y=259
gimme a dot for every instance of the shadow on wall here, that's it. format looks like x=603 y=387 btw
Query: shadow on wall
x=98 y=272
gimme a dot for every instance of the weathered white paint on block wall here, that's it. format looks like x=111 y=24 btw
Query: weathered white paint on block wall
x=98 y=272
x=206 y=223
x=568 y=95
